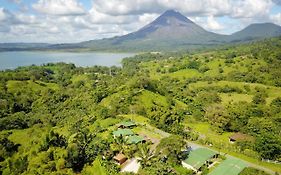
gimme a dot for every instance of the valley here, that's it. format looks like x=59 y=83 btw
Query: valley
x=61 y=119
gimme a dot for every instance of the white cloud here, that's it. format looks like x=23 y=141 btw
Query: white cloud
x=68 y=21
x=102 y=18
x=125 y=7
x=234 y=8
x=2 y=14
x=147 y=17
x=213 y=25
x=59 y=7
x=251 y=8
x=276 y=18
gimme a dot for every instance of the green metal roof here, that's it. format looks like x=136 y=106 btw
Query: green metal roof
x=229 y=166
x=198 y=157
x=127 y=123
x=123 y=132
x=134 y=139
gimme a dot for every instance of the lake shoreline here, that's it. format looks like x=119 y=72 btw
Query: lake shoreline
x=14 y=59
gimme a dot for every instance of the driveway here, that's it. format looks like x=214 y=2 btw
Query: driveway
x=132 y=166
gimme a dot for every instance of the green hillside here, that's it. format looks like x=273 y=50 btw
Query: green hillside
x=59 y=119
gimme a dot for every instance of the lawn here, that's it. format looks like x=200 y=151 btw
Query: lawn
x=234 y=97
x=37 y=86
x=204 y=129
x=273 y=92
x=185 y=73
x=147 y=98
x=136 y=118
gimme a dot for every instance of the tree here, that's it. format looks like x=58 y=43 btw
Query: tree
x=118 y=145
x=257 y=126
x=269 y=146
x=193 y=65
x=145 y=154
x=170 y=148
x=259 y=98
x=7 y=147
x=83 y=148
x=16 y=165
x=218 y=116
x=53 y=139
x=207 y=98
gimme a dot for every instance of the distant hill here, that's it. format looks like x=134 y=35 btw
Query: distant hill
x=170 y=31
x=22 y=46
x=256 y=31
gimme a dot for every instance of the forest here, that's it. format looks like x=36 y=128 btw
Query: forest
x=58 y=118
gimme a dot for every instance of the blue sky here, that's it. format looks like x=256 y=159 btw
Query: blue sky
x=59 y=21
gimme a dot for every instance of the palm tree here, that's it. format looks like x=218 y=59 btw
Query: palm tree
x=119 y=144
x=145 y=155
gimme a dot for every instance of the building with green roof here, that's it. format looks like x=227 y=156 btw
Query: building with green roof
x=122 y=132
x=126 y=124
x=230 y=166
x=197 y=158
x=135 y=139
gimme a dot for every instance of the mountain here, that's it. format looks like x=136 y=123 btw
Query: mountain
x=256 y=31
x=170 y=31
x=170 y=25
x=22 y=46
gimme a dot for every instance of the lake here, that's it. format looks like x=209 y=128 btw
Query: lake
x=12 y=60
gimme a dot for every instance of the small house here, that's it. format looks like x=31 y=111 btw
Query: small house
x=197 y=158
x=122 y=132
x=120 y=158
x=135 y=139
x=126 y=124
x=240 y=137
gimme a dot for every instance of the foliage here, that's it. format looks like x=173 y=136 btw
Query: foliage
x=59 y=118
x=170 y=148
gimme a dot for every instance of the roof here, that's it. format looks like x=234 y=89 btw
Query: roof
x=198 y=157
x=123 y=132
x=134 y=139
x=127 y=123
x=230 y=166
x=241 y=137
x=119 y=157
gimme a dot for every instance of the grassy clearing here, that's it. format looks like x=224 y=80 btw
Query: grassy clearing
x=28 y=138
x=37 y=86
x=136 y=118
x=234 y=98
x=112 y=98
x=149 y=132
x=272 y=91
x=143 y=128
x=82 y=78
x=147 y=99
x=205 y=129
x=185 y=73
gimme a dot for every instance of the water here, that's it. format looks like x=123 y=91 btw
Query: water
x=12 y=60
